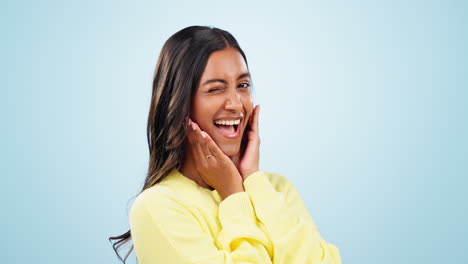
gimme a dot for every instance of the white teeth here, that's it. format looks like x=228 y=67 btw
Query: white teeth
x=227 y=122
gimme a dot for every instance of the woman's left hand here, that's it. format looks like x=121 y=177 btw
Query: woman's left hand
x=249 y=162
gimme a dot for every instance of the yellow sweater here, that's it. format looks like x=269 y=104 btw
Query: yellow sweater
x=177 y=221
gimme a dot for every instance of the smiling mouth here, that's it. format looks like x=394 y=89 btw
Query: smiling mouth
x=229 y=131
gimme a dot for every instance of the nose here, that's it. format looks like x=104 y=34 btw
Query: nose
x=233 y=102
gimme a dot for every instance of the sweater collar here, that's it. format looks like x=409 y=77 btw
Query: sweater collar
x=178 y=179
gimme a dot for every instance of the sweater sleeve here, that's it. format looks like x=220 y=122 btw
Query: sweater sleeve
x=292 y=231
x=165 y=231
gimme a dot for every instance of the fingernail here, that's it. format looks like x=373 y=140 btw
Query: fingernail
x=193 y=126
x=203 y=134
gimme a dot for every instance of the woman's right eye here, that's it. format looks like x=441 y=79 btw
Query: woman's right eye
x=213 y=90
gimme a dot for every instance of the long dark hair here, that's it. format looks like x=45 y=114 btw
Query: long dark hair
x=178 y=71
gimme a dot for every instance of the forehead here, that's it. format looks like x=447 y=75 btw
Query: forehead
x=226 y=63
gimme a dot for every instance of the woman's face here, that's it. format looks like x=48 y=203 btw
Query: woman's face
x=222 y=103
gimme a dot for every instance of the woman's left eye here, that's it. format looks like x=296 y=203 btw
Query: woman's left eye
x=244 y=85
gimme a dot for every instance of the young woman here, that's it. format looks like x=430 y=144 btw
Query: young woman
x=205 y=200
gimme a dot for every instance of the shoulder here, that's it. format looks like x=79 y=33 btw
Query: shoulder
x=172 y=192
x=154 y=201
x=280 y=182
x=283 y=185
x=292 y=196
x=155 y=193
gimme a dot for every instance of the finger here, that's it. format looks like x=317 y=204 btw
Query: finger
x=191 y=135
x=214 y=148
x=202 y=143
x=200 y=155
x=205 y=145
x=196 y=131
x=254 y=119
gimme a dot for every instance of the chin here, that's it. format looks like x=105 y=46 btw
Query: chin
x=230 y=150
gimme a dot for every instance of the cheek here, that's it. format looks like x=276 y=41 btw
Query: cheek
x=199 y=105
x=203 y=110
x=197 y=111
x=248 y=113
x=247 y=101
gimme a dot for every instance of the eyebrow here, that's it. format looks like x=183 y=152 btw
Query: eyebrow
x=245 y=74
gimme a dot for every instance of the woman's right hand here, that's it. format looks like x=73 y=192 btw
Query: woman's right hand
x=213 y=166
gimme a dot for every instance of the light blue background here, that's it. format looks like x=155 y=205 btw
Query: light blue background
x=364 y=108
